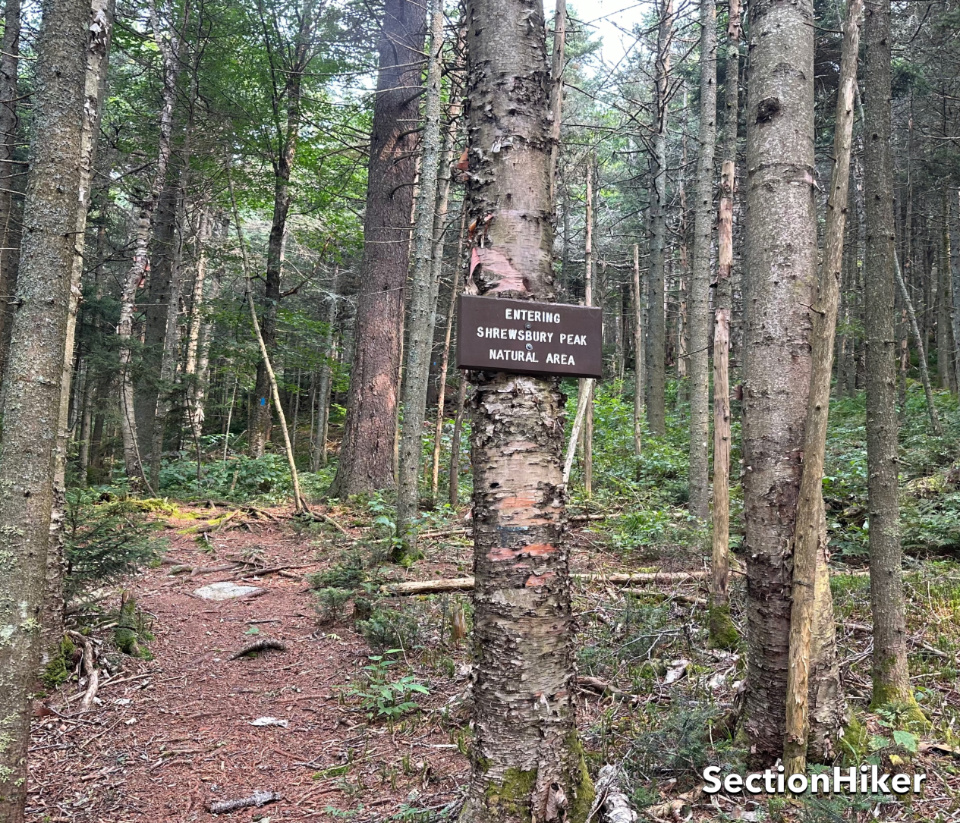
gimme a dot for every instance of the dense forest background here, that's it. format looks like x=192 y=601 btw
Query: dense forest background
x=280 y=203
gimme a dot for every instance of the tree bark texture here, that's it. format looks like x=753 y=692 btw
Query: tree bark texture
x=9 y=230
x=891 y=679
x=656 y=317
x=699 y=314
x=637 y=355
x=319 y=456
x=810 y=535
x=31 y=410
x=527 y=762
x=424 y=288
x=780 y=284
x=366 y=452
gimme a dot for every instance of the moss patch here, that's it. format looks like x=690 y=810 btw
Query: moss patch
x=723 y=634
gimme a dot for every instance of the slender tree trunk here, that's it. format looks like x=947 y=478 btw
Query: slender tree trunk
x=525 y=753
x=319 y=457
x=780 y=280
x=9 y=216
x=656 y=316
x=445 y=363
x=289 y=94
x=699 y=324
x=810 y=535
x=637 y=355
x=954 y=238
x=723 y=633
x=556 y=97
x=55 y=208
x=945 y=366
x=423 y=301
x=586 y=386
x=454 y=480
x=891 y=679
x=366 y=453
x=921 y=349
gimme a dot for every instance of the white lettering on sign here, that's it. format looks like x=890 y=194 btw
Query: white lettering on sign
x=561 y=359
x=573 y=339
x=533 y=316
x=523 y=335
x=513 y=355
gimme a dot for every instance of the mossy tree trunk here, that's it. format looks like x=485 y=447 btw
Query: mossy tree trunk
x=527 y=762
x=53 y=212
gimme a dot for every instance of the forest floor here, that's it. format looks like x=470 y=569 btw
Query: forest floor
x=370 y=734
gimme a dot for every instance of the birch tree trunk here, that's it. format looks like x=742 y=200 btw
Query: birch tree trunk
x=53 y=211
x=810 y=535
x=781 y=283
x=699 y=322
x=656 y=316
x=891 y=676
x=423 y=301
x=723 y=634
x=527 y=762
x=366 y=452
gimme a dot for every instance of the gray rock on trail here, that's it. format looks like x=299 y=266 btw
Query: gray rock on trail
x=226 y=591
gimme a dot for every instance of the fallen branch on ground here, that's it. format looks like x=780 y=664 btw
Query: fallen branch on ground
x=610 y=803
x=89 y=670
x=259 y=646
x=257 y=799
x=463 y=584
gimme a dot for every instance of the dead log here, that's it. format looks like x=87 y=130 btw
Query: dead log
x=260 y=646
x=89 y=670
x=610 y=804
x=464 y=584
x=257 y=799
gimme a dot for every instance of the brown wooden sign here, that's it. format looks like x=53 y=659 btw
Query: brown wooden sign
x=520 y=336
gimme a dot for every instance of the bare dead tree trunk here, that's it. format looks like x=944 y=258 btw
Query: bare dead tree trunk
x=723 y=634
x=445 y=363
x=586 y=385
x=366 y=453
x=954 y=239
x=780 y=280
x=527 y=762
x=55 y=201
x=556 y=93
x=423 y=301
x=810 y=535
x=454 y=481
x=945 y=347
x=699 y=322
x=656 y=318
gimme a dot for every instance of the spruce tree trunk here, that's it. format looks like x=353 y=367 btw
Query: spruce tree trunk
x=9 y=169
x=954 y=239
x=780 y=284
x=945 y=367
x=527 y=761
x=53 y=211
x=453 y=496
x=891 y=677
x=656 y=317
x=424 y=288
x=367 y=449
x=101 y=25
x=723 y=633
x=810 y=536
x=699 y=317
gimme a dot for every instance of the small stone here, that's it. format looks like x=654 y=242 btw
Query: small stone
x=226 y=591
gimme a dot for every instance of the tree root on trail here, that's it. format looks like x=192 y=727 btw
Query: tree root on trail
x=257 y=799
x=259 y=646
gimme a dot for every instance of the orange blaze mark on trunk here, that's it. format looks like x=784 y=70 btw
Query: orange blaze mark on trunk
x=539 y=550
x=516 y=503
